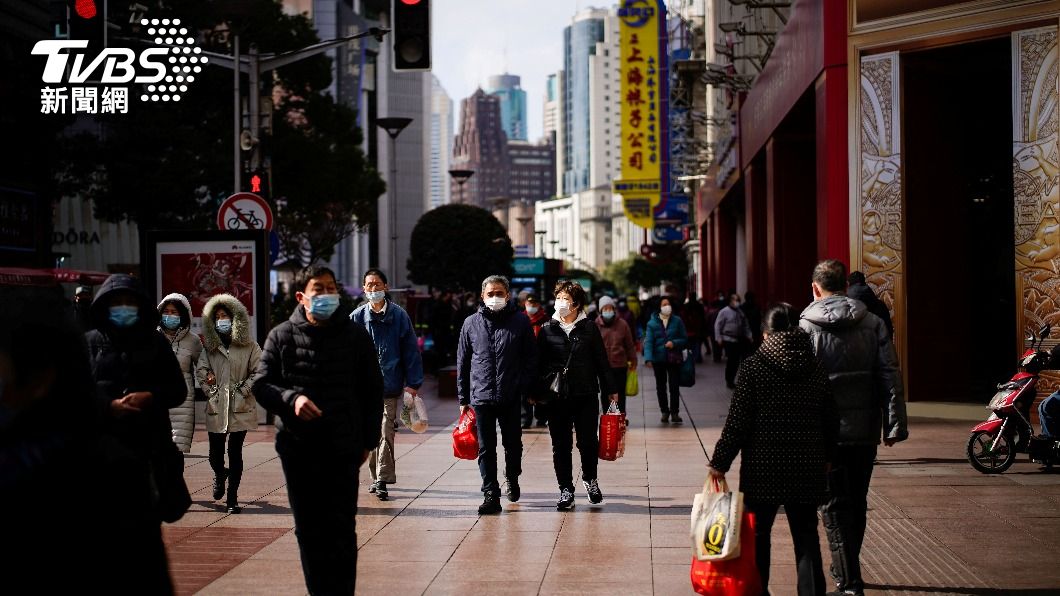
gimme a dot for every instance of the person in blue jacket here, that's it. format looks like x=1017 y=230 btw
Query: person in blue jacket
x=399 y=359
x=664 y=344
x=496 y=365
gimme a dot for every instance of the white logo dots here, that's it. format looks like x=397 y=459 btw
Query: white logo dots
x=167 y=32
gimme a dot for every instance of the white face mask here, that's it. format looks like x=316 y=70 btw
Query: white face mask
x=531 y=310
x=563 y=307
x=495 y=303
x=666 y=310
x=375 y=297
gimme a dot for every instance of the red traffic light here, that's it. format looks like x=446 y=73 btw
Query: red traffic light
x=411 y=2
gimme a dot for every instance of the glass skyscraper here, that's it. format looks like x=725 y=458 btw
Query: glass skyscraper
x=579 y=43
x=513 y=104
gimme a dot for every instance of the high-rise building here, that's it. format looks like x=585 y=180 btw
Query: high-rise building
x=441 y=143
x=513 y=104
x=553 y=121
x=533 y=171
x=482 y=147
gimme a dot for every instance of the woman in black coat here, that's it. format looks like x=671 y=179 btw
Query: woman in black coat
x=588 y=374
x=783 y=418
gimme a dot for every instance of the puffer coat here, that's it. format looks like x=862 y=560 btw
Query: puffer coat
x=496 y=358
x=186 y=347
x=589 y=372
x=657 y=335
x=856 y=350
x=782 y=417
x=230 y=404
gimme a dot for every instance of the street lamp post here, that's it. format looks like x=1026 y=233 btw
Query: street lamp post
x=393 y=127
x=553 y=243
x=461 y=177
x=541 y=242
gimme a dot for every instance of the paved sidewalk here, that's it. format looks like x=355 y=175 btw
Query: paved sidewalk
x=935 y=525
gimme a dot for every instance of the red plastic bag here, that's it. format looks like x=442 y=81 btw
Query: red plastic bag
x=735 y=577
x=465 y=436
x=612 y=434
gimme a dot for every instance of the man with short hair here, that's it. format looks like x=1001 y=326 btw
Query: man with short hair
x=319 y=374
x=856 y=350
x=734 y=334
x=399 y=359
x=496 y=364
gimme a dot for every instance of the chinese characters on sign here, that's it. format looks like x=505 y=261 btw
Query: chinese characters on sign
x=84 y=100
x=643 y=114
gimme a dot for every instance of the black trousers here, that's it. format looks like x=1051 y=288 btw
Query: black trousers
x=531 y=412
x=581 y=414
x=487 y=418
x=618 y=377
x=668 y=376
x=235 y=458
x=844 y=513
x=716 y=349
x=734 y=352
x=322 y=489
x=802 y=521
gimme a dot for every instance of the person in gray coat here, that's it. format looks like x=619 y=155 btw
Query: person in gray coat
x=174 y=323
x=856 y=349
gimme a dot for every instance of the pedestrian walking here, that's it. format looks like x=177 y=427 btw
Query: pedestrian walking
x=713 y=309
x=664 y=344
x=399 y=359
x=856 y=351
x=695 y=319
x=621 y=350
x=538 y=316
x=174 y=323
x=627 y=315
x=496 y=363
x=859 y=290
x=226 y=370
x=753 y=313
x=782 y=418
x=137 y=380
x=319 y=374
x=734 y=334
x=571 y=344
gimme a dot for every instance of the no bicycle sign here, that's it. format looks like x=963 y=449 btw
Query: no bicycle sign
x=244 y=211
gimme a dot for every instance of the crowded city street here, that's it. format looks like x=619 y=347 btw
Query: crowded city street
x=936 y=526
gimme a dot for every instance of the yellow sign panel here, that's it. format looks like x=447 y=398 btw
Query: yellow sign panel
x=642 y=116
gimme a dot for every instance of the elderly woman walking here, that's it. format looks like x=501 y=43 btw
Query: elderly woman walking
x=226 y=371
x=174 y=323
x=783 y=419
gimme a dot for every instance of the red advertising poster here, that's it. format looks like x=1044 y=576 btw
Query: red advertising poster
x=203 y=275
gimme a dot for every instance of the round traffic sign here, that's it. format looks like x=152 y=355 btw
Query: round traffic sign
x=244 y=211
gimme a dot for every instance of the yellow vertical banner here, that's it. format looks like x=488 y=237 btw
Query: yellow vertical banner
x=643 y=90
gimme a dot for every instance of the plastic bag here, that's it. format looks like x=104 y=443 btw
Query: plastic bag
x=632 y=383
x=688 y=371
x=465 y=436
x=414 y=413
x=715 y=522
x=612 y=434
x=735 y=577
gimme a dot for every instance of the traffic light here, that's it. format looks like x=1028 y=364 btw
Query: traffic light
x=80 y=19
x=411 y=34
x=257 y=182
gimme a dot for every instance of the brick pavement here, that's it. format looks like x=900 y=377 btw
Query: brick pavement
x=933 y=521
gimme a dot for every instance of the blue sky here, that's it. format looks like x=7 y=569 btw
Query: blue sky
x=473 y=39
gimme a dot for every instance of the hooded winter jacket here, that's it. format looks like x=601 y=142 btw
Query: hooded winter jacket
x=657 y=335
x=334 y=365
x=783 y=419
x=496 y=357
x=856 y=350
x=230 y=403
x=618 y=340
x=395 y=346
x=864 y=293
x=186 y=347
x=136 y=358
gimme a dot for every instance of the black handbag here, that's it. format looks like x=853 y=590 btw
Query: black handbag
x=556 y=381
x=168 y=489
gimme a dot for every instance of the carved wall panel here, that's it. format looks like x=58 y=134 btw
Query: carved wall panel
x=1036 y=182
x=880 y=181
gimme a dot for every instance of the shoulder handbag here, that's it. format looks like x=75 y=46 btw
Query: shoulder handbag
x=168 y=489
x=556 y=381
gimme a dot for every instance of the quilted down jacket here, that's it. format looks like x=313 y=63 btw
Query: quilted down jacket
x=186 y=347
x=496 y=358
x=856 y=350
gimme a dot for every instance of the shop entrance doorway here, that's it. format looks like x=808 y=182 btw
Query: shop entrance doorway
x=960 y=255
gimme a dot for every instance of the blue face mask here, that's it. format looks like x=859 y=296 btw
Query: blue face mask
x=608 y=315
x=124 y=316
x=322 y=306
x=224 y=326
x=170 y=321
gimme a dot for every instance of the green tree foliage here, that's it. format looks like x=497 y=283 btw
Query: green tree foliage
x=457 y=246
x=637 y=272
x=167 y=165
x=618 y=273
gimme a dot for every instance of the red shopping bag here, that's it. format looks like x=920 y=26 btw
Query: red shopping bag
x=734 y=577
x=465 y=436
x=612 y=433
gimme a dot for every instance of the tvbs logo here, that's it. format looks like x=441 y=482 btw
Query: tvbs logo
x=94 y=85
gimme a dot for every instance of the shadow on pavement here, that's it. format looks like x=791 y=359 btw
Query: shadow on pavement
x=969 y=591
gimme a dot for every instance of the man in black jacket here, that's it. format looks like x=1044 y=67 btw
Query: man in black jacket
x=859 y=290
x=319 y=374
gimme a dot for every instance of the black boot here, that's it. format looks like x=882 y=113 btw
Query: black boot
x=491 y=503
x=233 y=495
x=219 y=484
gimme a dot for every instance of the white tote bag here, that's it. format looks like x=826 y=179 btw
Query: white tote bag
x=716 y=518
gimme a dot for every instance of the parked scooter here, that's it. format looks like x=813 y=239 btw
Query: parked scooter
x=994 y=443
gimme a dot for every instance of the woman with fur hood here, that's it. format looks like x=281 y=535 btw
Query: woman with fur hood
x=226 y=371
x=174 y=323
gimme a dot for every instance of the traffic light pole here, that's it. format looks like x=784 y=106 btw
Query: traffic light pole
x=237 y=166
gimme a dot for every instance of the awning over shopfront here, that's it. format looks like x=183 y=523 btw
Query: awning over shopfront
x=24 y=276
